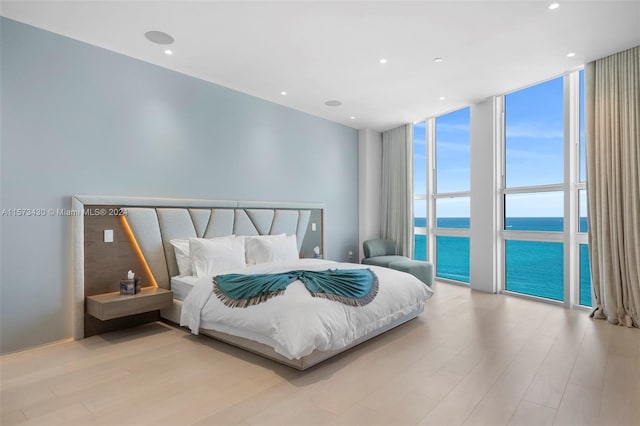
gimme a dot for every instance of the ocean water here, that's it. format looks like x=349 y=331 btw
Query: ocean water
x=531 y=267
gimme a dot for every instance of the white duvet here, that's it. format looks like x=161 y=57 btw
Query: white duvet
x=295 y=323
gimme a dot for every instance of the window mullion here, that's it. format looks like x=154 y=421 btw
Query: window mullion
x=571 y=177
x=452 y=194
x=500 y=140
x=537 y=188
x=431 y=186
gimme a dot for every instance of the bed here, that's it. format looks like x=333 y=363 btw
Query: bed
x=294 y=328
x=299 y=328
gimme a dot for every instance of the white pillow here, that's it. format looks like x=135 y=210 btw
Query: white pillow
x=217 y=256
x=181 y=249
x=275 y=249
x=254 y=251
x=183 y=257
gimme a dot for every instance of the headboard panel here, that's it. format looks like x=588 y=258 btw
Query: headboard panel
x=155 y=221
x=220 y=223
x=144 y=225
x=154 y=229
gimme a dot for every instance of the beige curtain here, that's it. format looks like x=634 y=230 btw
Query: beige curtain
x=612 y=95
x=397 y=188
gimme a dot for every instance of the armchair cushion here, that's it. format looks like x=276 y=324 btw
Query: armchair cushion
x=373 y=248
x=383 y=260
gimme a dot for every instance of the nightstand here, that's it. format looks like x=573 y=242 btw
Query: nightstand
x=115 y=305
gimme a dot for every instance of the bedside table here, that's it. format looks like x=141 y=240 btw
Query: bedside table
x=115 y=305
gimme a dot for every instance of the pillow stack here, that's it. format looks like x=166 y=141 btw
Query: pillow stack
x=208 y=257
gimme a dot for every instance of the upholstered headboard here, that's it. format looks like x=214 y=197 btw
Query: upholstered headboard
x=155 y=221
x=154 y=228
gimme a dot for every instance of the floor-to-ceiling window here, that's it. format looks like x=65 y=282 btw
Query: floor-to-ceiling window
x=534 y=191
x=543 y=241
x=452 y=197
x=544 y=197
x=441 y=194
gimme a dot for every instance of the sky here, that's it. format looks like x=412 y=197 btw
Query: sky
x=534 y=153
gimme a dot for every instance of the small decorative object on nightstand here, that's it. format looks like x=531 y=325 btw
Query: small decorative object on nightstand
x=127 y=287
x=131 y=285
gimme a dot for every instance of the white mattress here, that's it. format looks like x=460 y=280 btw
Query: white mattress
x=181 y=286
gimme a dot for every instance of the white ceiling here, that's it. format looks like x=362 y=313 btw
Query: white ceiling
x=322 y=50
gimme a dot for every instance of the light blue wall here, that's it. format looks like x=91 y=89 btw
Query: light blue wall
x=77 y=119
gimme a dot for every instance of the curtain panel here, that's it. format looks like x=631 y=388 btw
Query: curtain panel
x=397 y=188
x=612 y=97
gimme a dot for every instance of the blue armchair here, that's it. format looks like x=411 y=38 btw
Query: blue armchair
x=385 y=253
x=381 y=253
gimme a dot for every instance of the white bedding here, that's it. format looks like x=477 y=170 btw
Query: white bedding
x=295 y=323
x=181 y=286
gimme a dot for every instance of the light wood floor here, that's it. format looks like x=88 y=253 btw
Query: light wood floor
x=471 y=358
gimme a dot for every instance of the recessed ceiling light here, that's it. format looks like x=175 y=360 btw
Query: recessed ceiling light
x=571 y=55
x=438 y=59
x=159 y=37
x=383 y=61
x=283 y=93
x=442 y=98
x=168 y=52
x=333 y=103
x=353 y=117
x=554 y=6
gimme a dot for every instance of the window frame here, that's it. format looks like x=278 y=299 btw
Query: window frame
x=579 y=237
x=427 y=229
x=571 y=185
x=433 y=230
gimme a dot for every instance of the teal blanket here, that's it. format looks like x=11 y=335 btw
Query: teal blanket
x=354 y=287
